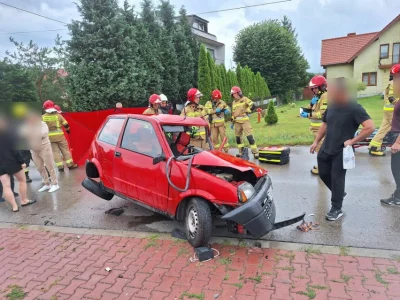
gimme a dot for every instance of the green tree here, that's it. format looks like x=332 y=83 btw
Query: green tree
x=167 y=15
x=204 y=83
x=193 y=44
x=239 y=74
x=211 y=66
x=269 y=48
x=16 y=84
x=105 y=66
x=271 y=117
x=225 y=89
x=185 y=63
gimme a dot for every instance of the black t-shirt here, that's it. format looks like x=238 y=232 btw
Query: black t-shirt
x=342 y=123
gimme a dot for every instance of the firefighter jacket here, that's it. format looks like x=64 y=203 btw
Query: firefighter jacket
x=318 y=110
x=389 y=96
x=240 y=108
x=151 y=111
x=54 y=121
x=214 y=118
x=193 y=111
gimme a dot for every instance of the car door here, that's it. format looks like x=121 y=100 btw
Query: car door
x=135 y=175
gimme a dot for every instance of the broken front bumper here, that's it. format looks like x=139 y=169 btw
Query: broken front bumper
x=257 y=215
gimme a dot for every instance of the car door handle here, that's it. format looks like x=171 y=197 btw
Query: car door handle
x=117 y=154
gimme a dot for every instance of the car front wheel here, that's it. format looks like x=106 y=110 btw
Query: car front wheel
x=198 y=222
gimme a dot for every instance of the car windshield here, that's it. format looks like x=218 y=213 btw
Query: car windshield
x=178 y=138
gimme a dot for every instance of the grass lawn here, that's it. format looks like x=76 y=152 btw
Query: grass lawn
x=293 y=130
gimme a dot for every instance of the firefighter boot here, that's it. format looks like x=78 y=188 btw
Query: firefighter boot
x=74 y=166
x=28 y=180
x=315 y=170
x=373 y=151
x=240 y=146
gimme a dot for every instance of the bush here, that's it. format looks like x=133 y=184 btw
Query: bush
x=271 y=116
x=361 y=86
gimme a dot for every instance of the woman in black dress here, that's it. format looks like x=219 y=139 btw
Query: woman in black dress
x=11 y=164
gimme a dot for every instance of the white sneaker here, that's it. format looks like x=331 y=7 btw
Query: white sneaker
x=44 y=188
x=54 y=188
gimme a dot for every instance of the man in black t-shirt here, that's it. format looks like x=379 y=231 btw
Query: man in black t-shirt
x=340 y=122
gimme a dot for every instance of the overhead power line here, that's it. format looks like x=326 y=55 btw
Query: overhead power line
x=29 y=12
x=247 y=6
x=22 y=32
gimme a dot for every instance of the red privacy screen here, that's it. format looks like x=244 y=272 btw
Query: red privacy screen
x=84 y=126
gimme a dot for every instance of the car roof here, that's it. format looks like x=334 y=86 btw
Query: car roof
x=170 y=120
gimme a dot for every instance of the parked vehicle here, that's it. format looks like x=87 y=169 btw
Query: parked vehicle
x=149 y=160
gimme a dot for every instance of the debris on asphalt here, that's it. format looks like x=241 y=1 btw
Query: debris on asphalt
x=179 y=234
x=108 y=269
x=216 y=296
x=115 y=211
x=47 y=222
x=307 y=226
x=257 y=244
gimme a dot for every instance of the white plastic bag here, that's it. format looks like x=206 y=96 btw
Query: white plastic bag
x=349 y=160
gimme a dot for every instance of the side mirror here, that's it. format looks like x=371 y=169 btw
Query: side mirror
x=158 y=159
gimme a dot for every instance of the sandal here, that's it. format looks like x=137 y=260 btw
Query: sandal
x=29 y=202
x=17 y=210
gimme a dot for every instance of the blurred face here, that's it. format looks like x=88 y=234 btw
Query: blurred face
x=315 y=90
x=236 y=96
x=197 y=99
x=118 y=105
x=339 y=93
x=156 y=105
x=164 y=104
x=396 y=85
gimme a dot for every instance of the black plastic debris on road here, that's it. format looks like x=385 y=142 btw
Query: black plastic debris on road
x=115 y=211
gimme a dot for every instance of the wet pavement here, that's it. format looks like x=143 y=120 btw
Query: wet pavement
x=366 y=222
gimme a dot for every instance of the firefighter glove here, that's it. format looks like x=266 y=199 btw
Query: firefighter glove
x=232 y=125
x=304 y=115
x=226 y=111
x=218 y=110
x=314 y=100
x=391 y=99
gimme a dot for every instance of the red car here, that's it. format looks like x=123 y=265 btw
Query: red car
x=149 y=160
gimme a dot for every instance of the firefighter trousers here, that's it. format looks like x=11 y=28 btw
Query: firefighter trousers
x=320 y=143
x=60 y=144
x=218 y=134
x=43 y=159
x=245 y=128
x=385 y=127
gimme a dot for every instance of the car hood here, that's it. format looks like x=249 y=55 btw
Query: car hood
x=220 y=159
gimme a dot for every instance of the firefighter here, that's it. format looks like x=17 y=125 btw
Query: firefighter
x=58 y=109
x=318 y=106
x=375 y=145
x=193 y=109
x=57 y=139
x=164 y=108
x=154 y=104
x=216 y=110
x=241 y=106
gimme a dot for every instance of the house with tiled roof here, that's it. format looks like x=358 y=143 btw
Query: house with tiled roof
x=364 y=57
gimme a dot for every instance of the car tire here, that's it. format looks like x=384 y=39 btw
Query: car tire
x=96 y=188
x=198 y=222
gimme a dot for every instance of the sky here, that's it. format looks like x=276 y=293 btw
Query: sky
x=314 y=20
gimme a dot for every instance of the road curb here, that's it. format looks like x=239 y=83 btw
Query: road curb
x=348 y=251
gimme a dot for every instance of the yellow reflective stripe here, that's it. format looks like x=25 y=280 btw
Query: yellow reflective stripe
x=391 y=108
x=191 y=114
x=234 y=106
x=199 y=133
x=253 y=146
x=59 y=164
x=375 y=143
x=218 y=120
x=269 y=152
x=26 y=170
x=316 y=124
x=226 y=145
x=242 y=118
x=69 y=161
x=324 y=107
x=271 y=160
x=217 y=145
x=55 y=133
x=65 y=123
x=240 y=145
x=50 y=118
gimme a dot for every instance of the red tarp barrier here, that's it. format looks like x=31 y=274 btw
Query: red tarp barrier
x=84 y=126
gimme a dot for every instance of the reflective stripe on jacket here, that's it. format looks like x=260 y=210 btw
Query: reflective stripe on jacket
x=240 y=108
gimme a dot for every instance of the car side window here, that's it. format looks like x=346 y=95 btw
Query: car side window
x=111 y=130
x=139 y=137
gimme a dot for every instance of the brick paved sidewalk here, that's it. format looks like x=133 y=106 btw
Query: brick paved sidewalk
x=49 y=265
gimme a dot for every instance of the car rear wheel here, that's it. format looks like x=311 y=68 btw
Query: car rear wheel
x=97 y=189
x=198 y=222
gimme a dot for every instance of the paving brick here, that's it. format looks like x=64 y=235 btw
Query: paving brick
x=137 y=282
x=98 y=291
x=338 y=290
x=358 y=295
x=166 y=284
x=129 y=293
x=263 y=294
x=334 y=273
x=70 y=289
x=350 y=268
x=159 y=295
x=146 y=290
x=157 y=275
x=92 y=282
x=118 y=286
x=87 y=274
x=282 y=291
x=108 y=296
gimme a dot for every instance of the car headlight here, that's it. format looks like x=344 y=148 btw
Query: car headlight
x=245 y=192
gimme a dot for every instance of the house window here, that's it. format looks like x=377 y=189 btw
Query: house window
x=369 y=78
x=384 y=52
x=212 y=52
x=200 y=26
x=396 y=53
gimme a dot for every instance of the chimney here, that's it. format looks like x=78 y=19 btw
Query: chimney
x=351 y=34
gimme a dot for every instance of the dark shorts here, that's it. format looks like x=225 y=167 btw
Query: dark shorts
x=10 y=168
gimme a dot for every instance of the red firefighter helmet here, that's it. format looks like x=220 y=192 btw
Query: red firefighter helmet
x=317 y=81
x=395 y=69
x=192 y=94
x=216 y=94
x=236 y=89
x=154 y=99
x=58 y=108
x=48 y=104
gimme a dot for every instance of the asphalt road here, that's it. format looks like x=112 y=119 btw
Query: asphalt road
x=366 y=222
